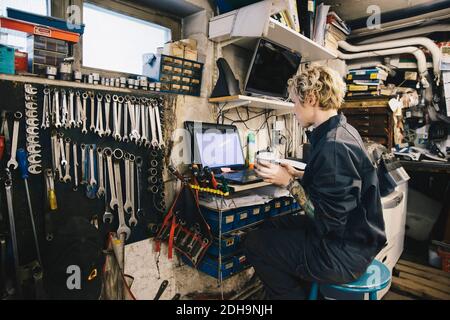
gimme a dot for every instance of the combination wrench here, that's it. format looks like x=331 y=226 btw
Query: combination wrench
x=107 y=216
x=67 y=176
x=83 y=164
x=75 y=165
x=116 y=124
x=140 y=212
x=92 y=181
x=132 y=221
x=92 y=97
x=12 y=161
x=99 y=124
x=46 y=109
x=84 y=118
x=151 y=113
x=65 y=111
x=123 y=228
x=125 y=120
x=72 y=122
x=55 y=114
x=158 y=126
x=128 y=206
x=107 y=131
x=101 y=188
x=112 y=187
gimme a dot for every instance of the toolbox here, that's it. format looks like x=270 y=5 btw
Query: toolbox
x=7 y=60
x=45 y=51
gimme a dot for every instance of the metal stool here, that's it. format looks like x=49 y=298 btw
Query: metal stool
x=376 y=278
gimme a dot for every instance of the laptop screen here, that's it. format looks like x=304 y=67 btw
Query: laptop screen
x=219 y=148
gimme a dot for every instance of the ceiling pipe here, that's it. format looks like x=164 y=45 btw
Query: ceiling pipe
x=420 y=57
x=422 y=41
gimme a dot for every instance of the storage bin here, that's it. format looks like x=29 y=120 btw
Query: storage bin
x=210 y=266
x=242 y=217
x=7 y=60
x=212 y=218
x=230 y=243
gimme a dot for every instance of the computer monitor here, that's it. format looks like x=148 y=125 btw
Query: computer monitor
x=271 y=67
x=215 y=145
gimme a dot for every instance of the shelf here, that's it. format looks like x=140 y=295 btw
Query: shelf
x=73 y=84
x=230 y=102
x=222 y=30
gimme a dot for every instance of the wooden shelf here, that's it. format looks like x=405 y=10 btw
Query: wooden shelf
x=231 y=102
x=73 y=84
x=221 y=28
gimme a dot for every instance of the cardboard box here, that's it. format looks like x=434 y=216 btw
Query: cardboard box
x=189 y=43
x=175 y=49
x=190 y=54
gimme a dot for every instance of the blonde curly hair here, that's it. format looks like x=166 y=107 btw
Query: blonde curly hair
x=323 y=82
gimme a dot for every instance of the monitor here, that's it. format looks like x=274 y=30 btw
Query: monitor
x=271 y=67
x=215 y=145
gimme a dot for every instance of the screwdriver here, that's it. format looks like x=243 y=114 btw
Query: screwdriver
x=23 y=166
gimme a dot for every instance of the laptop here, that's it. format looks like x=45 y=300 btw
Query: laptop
x=219 y=146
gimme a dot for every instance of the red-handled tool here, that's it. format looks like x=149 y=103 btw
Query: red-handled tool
x=2 y=147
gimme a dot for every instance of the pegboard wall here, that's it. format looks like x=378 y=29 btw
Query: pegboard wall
x=70 y=202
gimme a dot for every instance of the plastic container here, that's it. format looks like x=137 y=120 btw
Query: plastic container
x=7 y=60
x=210 y=266
x=242 y=217
x=229 y=244
x=212 y=218
x=286 y=205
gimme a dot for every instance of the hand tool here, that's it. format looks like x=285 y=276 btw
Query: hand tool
x=29 y=89
x=4 y=131
x=12 y=161
x=92 y=180
x=161 y=289
x=92 y=97
x=194 y=237
x=101 y=188
x=55 y=113
x=12 y=226
x=31 y=113
x=148 y=143
x=188 y=234
x=83 y=164
x=2 y=147
x=130 y=107
x=154 y=189
x=151 y=113
x=140 y=212
x=112 y=186
x=116 y=125
x=158 y=127
x=34 y=158
x=143 y=122
x=64 y=110
x=72 y=122
x=31 y=106
x=99 y=124
x=52 y=205
x=107 y=216
x=119 y=118
x=137 y=123
x=107 y=116
x=132 y=221
x=84 y=117
x=67 y=176
x=32 y=122
x=46 y=109
x=75 y=165
x=79 y=109
x=34 y=131
x=200 y=249
x=30 y=98
x=55 y=152
x=181 y=225
x=127 y=206
x=123 y=228
x=177 y=296
x=125 y=121
x=23 y=166
x=31 y=139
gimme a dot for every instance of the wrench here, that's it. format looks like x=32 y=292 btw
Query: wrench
x=140 y=212
x=83 y=164
x=128 y=206
x=79 y=110
x=99 y=123
x=32 y=122
x=151 y=113
x=72 y=122
x=92 y=97
x=29 y=89
x=158 y=126
x=12 y=161
x=46 y=108
x=34 y=148
x=132 y=221
x=107 y=107
x=107 y=216
x=67 y=176
x=123 y=228
x=108 y=154
x=84 y=118
x=125 y=121
x=92 y=180
x=35 y=169
x=31 y=106
x=55 y=151
x=34 y=158
x=30 y=98
x=101 y=188
x=75 y=165
x=116 y=122
x=204 y=244
x=34 y=131
x=65 y=111
x=33 y=139
x=31 y=113
x=55 y=113
x=12 y=226
x=61 y=148
x=143 y=122
x=194 y=237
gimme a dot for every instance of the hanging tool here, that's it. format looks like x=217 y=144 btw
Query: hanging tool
x=12 y=226
x=52 y=204
x=23 y=166
x=12 y=161
x=177 y=296
x=161 y=289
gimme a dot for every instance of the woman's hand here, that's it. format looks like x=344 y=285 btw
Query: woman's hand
x=273 y=173
x=292 y=171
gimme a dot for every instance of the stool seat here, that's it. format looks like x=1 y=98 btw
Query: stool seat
x=376 y=277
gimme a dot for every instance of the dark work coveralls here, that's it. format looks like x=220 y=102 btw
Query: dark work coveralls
x=337 y=244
